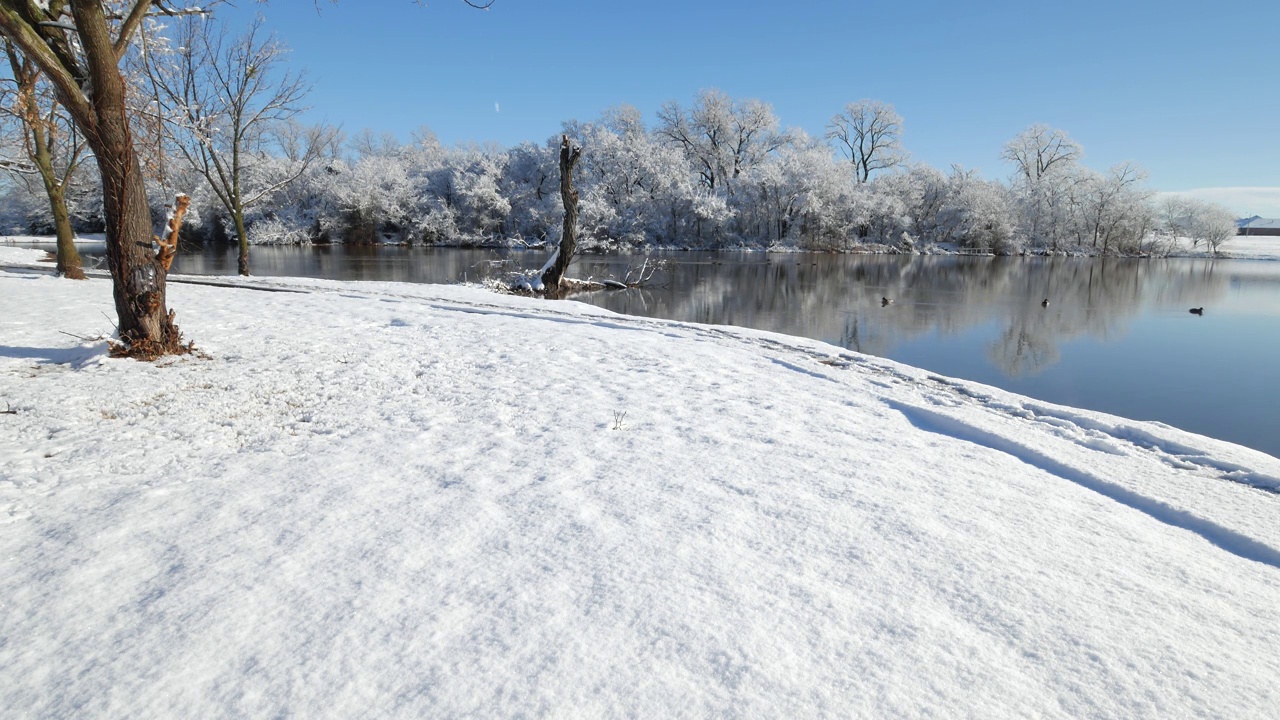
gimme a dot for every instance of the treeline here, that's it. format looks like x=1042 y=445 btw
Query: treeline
x=719 y=173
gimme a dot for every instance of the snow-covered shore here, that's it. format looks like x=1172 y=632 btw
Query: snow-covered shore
x=49 y=239
x=1251 y=248
x=386 y=500
x=1237 y=248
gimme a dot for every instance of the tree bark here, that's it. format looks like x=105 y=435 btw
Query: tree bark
x=552 y=278
x=243 y=237
x=39 y=130
x=69 y=265
x=146 y=328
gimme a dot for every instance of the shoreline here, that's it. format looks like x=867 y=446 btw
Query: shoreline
x=1258 y=248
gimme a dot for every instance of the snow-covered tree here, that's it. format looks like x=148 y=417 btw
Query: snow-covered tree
x=228 y=109
x=1110 y=213
x=1036 y=151
x=629 y=178
x=475 y=176
x=720 y=136
x=374 y=193
x=1197 y=220
x=869 y=133
x=51 y=148
x=529 y=183
x=1214 y=224
x=78 y=46
x=977 y=214
x=1045 y=161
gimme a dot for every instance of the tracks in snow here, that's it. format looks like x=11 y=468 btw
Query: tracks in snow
x=1059 y=425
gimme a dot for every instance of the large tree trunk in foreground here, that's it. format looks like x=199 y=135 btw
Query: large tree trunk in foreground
x=146 y=327
x=569 y=236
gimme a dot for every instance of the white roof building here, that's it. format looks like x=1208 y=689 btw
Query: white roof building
x=1259 y=226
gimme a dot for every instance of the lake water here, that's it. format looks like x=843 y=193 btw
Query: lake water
x=1116 y=335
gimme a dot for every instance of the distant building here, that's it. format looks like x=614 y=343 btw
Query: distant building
x=1259 y=226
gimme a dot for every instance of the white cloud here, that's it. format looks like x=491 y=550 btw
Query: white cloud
x=1243 y=201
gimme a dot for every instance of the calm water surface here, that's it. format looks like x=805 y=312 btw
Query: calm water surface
x=1116 y=336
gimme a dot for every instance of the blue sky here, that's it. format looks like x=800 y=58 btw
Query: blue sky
x=1186 y=89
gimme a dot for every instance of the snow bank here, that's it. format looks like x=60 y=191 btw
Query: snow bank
x=22 y=257
x=372 y=499
x=49 y=239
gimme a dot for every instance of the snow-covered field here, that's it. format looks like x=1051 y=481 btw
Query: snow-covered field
x=1252 y=247
x=384 y=500
x=1237 y=248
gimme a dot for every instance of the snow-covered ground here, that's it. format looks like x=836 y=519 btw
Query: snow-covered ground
x=48 y=239
x=384 y=500
x=1237 y=248
x=1252 y=247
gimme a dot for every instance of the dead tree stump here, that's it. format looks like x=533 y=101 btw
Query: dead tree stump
x=569 y=236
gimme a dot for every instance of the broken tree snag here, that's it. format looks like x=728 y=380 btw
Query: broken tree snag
x=169 y=243
x=569 y=236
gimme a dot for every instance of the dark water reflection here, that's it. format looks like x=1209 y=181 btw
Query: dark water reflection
x=1116 y=335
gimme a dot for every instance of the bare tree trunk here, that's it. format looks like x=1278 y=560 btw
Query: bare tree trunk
x=243 y=238
x=69 y=265
x=569 y=237
x=38 y=128
x=146 y=329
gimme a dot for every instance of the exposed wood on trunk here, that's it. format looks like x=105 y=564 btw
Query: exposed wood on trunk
x=93 y=93
x=552 y=277
x=146 y=328
x=169 y=243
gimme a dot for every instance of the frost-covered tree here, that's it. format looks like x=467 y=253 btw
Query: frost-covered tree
x=977 y=214
x=376 y=192
x=1045 y=162
x=529 y=183
x=1036 y=151
x=823 y=192
x=293 y=213
x=629 y=179
x=1110 y=213
x=472 y=183
x=1197 y=220
x=50 y=147
x=228 y=108
x=869 y=133
x=1214 y=224
x=797 y=197
x=78 y=46
x=721 y=137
